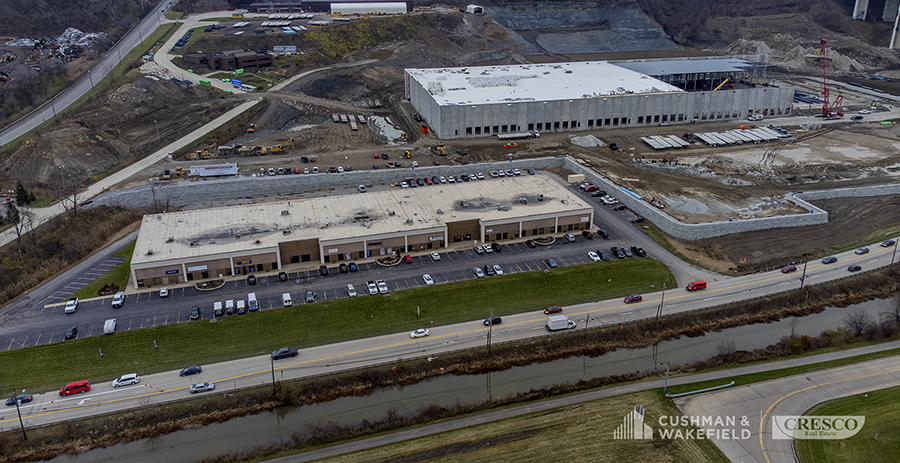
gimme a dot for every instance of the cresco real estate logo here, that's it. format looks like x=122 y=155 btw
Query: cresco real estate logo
x=816 y=427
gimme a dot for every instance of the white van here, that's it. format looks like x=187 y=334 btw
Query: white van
x=252 y=303
x=229 y=307
x=241 y=307
x=286 y=300
x=109 y=327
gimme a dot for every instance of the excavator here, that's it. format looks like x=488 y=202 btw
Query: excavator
x=280 y=148
x=407 y=154
x=439 y=149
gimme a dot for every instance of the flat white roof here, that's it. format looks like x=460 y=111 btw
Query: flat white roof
x=344 y=218
x=533 y=82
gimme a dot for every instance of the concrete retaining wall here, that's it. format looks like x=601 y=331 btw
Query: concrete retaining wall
x=181 y=194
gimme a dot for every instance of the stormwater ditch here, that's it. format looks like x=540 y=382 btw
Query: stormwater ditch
x=246 y=433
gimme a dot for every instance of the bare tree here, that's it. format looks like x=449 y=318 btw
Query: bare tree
x=857 y=320
x=726 y=347
x=70 y=198
x=892 y=315
x=20 y=219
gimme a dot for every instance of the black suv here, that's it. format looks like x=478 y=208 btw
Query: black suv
x=602 y=233
x=251 y=280
x=323 y=270
x=282 y=276
x=489 y=270
x=285 y=352
x=496 y=247
x=637 y=220
x=638 y=251
x=72 y=332
x=495 y=320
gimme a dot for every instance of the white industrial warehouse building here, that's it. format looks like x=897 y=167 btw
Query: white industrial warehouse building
x=369 y=8
x=472 y=101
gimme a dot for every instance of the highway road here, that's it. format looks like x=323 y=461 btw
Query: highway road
x=70 y=95
x=318 y=360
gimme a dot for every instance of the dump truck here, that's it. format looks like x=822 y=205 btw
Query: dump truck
x=520 y=135
x=559 y=322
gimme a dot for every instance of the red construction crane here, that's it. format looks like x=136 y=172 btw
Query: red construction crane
x=829 y=108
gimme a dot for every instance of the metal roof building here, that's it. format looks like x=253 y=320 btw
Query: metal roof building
x=195 y=245
x=461 y=102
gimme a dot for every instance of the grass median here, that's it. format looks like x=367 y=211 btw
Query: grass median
x=877 y=440
x=48 y=366
x=117 y=275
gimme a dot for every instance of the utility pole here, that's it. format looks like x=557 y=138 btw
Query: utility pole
x=490 y=330
x=153 y=192
x=25 y=436
x=273 y=376
x=661 y=300
x=803 y=277
x=895 y=252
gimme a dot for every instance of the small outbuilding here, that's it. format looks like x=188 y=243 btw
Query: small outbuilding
x=475 y=9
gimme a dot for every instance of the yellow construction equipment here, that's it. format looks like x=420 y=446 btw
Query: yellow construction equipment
x=193 y=156
x=439 y=149
x=280 y=148
x=179 y=172
x=720 y=85
x=406 y=153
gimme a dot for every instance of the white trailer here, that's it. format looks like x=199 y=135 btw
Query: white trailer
x=559 y=322
x=220 y=170
x=520 y=135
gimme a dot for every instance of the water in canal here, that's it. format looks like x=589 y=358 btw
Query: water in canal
x=243 y=434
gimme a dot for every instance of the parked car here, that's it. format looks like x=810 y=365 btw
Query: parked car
x=496 y=247
x=593 y=256
x=118 y=300
x=126 y=380
x=498 y=270
x=602 y=255
x=202 y=387
x=286 y=300
x=196 y=314
x=627 y=252
x=862 y=250
x=569 y=237
x=488 y=248
x=478 y=249
x=551 y=263
x=788 y=269
x=428 y=280
x=72 y=332
x=419 y=333
x=163 y=292
x=282 y=276
x=620 y=207
x=854 y=268
x=191 y=370
x=478 y=272
x=21 y=399
x=554 y=309
x=285 y=352
x=218 y=310
x=251 y=280
x=615 y=252
x=489 y=270
x=351 y=291
x=407 y=259
x=829 y=260
x=637 y=220
x=633 y=298
x=602 y=233
x=639 y=251
x=71 y=305
x=353 y=267
x=372 y=287
x=435 y=256
x=310 y=296
x=343 y=268
x=382 y=286
x=323 y=270
x=495 y=320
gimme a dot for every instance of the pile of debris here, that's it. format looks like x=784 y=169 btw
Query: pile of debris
x=150 y=68
x=67 y=46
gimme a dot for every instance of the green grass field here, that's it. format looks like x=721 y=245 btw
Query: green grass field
x=576 y=433
x=181 y=344
x=877 y=441
x=117 y=275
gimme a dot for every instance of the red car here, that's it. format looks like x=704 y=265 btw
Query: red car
x=789 y=269
x=510 y=145
x=592 y=188
x=428 y=181
x=531 y=243
x=633 y=298
x=376 y=155
x=554 y=309
x=407 y=259
x=296 y=170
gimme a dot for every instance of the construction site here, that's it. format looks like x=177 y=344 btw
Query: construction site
x=354 y=117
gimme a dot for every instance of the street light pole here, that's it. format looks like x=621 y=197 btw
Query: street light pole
x=895 y=252
x=661 y=300
x=666 y=384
